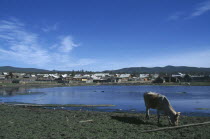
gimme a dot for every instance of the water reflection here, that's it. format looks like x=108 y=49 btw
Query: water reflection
x=12 y=91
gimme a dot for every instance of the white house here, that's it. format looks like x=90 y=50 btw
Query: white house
x=98 y=76
x=64 y=75
x=5 y=73
x=125 y=76
x=143 y=76
x=101 y=74
x=178 y=75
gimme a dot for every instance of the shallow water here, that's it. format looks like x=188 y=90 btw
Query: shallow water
x=186 y=99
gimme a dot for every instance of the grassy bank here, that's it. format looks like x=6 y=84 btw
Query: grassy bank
x=39 y=85
x=25 y=123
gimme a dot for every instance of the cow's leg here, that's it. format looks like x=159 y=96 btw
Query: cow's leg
x=158 y=116
x=169 y=120
x=147 y=113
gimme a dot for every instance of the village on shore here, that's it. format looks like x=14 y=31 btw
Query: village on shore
x=68 y=78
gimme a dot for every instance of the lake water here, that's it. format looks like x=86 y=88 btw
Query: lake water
x=186 y=99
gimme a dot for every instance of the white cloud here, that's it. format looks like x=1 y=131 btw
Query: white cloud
x=67 y=44
x=201 y=9
x=176 y=16
x=22 y=46
x=50 y=28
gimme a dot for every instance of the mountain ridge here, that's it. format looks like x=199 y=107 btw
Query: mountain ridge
x=166 y=69
x=18 y=69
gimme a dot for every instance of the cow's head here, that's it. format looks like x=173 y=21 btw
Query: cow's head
x=175 y=119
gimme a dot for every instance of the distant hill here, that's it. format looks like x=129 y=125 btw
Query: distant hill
x=167 y=69
x=15 y=69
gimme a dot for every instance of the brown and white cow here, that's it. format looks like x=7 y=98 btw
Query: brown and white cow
x=161 y=103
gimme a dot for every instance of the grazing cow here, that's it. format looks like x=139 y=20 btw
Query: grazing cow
x=161 y=103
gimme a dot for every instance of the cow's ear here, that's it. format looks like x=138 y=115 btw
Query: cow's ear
x=178 y=113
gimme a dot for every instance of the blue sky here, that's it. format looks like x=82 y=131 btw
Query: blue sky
x=102 y=35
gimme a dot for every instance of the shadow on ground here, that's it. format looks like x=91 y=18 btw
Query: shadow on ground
x=136 y=120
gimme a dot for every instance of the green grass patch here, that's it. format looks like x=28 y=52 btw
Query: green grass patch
x=200 y=83
x=25 y=123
